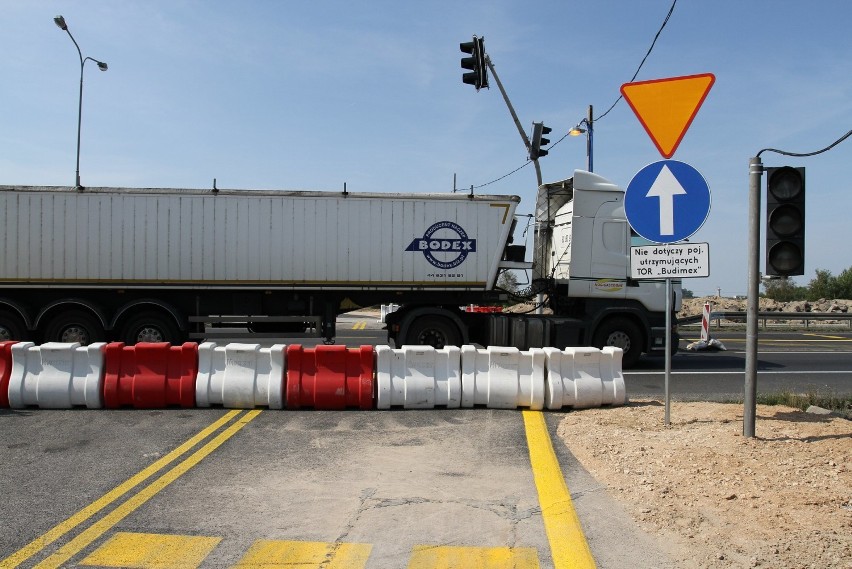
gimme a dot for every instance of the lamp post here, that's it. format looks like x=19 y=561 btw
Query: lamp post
x=589 y=130
x=60 y=22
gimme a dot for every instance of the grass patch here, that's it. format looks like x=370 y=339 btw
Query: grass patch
x=840 y=405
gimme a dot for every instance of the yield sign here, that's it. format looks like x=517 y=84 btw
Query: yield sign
x=666 y=107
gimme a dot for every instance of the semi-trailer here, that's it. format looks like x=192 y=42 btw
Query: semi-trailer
x=149 y=264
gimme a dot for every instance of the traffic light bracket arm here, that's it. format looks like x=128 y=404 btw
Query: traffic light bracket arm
x=527 y=144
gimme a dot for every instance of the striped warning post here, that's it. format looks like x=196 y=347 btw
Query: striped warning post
x=705 y=322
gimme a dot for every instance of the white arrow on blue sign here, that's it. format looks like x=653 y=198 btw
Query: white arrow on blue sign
x=667 y=201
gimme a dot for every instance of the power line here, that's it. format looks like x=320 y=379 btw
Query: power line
x=801 y=155
x=528 y=162
x=653 y=43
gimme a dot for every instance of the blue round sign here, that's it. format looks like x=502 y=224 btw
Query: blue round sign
x=667 y=201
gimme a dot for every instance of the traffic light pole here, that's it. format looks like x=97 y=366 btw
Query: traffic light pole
x=514 y=117
x=750 y=400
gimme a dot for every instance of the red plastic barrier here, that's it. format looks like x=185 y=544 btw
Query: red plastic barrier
x=5 y=371
x=150 y=375
x=483 y=309
x=330 y=377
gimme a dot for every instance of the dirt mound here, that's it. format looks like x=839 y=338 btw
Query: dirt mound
x=694 y=306
x=716 y=499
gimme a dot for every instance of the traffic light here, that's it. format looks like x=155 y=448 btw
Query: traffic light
x=478 y=74
x=538 y=140
x=785 y=221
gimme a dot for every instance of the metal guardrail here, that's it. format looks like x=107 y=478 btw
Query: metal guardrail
x=735 y=316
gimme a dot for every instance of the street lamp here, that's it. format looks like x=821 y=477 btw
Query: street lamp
x=589 y=130
x=60 y=22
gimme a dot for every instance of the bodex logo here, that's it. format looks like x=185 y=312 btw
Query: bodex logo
x=445 y=245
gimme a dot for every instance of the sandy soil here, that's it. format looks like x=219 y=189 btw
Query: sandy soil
x=716 y=499
x=694 y=306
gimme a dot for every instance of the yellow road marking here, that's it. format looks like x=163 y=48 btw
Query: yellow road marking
x=267 y=554
x=360 y=325
x=67 y=525
x=568 y=545
x=829 y=337
x=451 y=557
x=97 y=529
x=153 y=551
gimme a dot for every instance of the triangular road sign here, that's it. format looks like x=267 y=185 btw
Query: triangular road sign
x=666 y=107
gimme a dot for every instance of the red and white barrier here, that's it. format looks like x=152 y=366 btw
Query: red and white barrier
x=573 y=378
x=582 y=378
x=5 y=370
x=503 y=378
x=150 y=375
x=157 y=375
x=614 y=391
x=418 y=377
x=56 y=375
x=329 y=377
x=240 y=376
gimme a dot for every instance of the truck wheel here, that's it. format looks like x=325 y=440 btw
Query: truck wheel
x=150 y=327
x=74 y=326
x=12 y=327
x=621 y=333
x=433 y=331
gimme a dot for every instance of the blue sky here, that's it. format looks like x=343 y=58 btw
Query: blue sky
x=312 y=95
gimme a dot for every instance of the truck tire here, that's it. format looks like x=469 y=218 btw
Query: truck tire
x=433 y=331
x=621 y=333
x=74 y=326
x=12 y=327
x=151 y=327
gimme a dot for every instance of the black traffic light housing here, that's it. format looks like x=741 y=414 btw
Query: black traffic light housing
x=478 y=74
x=538 y=140
x=785 y=221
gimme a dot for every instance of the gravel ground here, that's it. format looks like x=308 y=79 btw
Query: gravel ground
x=715 y=499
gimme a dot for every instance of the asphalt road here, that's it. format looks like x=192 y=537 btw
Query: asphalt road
x=804 y=361
x=219 y=488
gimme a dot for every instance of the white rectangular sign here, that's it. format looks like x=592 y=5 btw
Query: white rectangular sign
x=670 y=261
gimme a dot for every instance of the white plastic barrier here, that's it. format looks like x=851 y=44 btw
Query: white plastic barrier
x=418 y=377
x=57 y=375
x=614 y=391
x=503 y=378
x=582 y=378
x=240 y=376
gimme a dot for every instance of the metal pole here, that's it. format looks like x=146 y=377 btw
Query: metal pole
x=523 y=134
x=589 y=145
x=79 y=100
x=79 y=117
x=527 y=145
x=60 y=22
x=668 y=366
x=750 y=399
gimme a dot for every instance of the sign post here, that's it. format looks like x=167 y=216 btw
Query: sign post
x=669 y=200
x=666 y=202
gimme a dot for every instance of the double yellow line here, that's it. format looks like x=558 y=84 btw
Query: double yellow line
x=568 y=545
x=237 y=419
